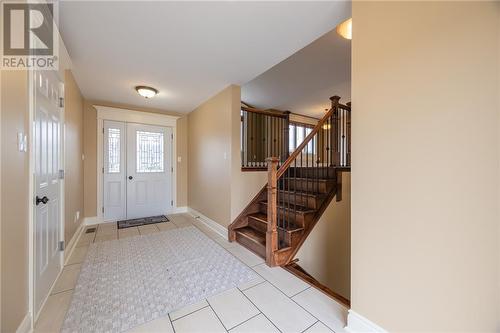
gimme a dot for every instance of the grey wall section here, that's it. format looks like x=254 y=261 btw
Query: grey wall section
x=15 y=198
x=425 y=165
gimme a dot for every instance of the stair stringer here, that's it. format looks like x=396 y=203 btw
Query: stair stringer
x=242 y=219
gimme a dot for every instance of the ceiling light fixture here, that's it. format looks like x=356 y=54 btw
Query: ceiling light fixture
x=344 y=29
x=146 y=92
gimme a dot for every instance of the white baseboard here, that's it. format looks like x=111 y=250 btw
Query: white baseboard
x=179 y=210
x=356 y=323
x=73 y=241
x=25 y=326
x=216 y=227
x=92 y=220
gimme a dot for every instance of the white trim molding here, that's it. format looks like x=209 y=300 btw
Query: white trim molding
x=68 y=251
x=25 y=326
x=139 y=117
x=356 y=323
x=216 y=227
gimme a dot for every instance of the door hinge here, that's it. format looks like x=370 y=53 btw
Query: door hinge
x=60 y=246
x=103 y=209
x=172 y=169
x=61 y=102
x=61 y=174
x=102 y=169
x=171 y=202
x=103 y=130
x=172 y=136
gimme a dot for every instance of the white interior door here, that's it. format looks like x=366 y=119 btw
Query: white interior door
x=48 y=161
x=149 y=170
x=114 y=171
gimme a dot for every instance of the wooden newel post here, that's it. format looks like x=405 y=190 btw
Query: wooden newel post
x=336 y=130
x=272 y=208
x=286 y=136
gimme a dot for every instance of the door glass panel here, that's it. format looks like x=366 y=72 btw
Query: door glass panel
x=114 y=150
x=150 y=152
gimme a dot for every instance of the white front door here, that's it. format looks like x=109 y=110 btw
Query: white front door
x=149 y=170
x=47 y=222
x=137 y=170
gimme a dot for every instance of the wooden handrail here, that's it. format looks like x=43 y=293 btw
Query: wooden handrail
x=310 y=136
x=271 y=113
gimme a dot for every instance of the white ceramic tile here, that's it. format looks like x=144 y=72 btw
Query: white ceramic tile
x=128 y=232
x=251 y=283
x=147 y=229
x=181 y=220
x=105 y=237
x=232 y=307
x=319 y=327
x=280 y=278
x=201 y=321
x=187 y=310
x=326 y=309
x=107 y=226
x=258 y=324
x=53 y=312
x=78 y=255
x=86 y=239
x=281 y=310
x=106 y=231
x=224 y=242
x=166 y=226
x=160 y=325
x=245 y=255
x=67 y=279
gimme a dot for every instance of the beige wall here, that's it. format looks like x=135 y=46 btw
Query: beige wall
x=73 y=144
x=326 y=253
x=209 y=154
x=90 y=152
x=15 y=197
x=217 y=187
x=425 y=172
x=244 y=185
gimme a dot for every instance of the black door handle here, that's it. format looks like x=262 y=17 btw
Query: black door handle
x=130 y=177
x=43 y=200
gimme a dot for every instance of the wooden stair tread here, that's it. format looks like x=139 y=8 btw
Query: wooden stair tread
x=253 y=234
x=300 y=209
x=310 y=179
x=303 y=193
x=263 y=219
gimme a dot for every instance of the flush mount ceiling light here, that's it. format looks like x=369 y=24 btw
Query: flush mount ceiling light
x=344 y=29
x=146 y=92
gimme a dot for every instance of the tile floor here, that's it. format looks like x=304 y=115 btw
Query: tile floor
x=276 y=301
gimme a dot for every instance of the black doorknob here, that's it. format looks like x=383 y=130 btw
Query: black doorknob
x=130 y=177
x=43 y=200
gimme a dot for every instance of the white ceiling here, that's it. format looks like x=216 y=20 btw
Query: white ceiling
x=187 y=50
x=305 y=81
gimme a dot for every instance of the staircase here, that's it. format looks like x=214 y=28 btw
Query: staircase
x=280 y=217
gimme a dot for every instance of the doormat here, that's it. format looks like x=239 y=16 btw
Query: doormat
x=142 y=221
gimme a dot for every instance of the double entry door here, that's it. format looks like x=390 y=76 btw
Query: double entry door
x=137 y=170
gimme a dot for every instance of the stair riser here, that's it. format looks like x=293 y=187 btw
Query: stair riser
x=257 y=224
x=312 y=172
x=302 y=200
x=300 y=219
x=307 y=186
x=251 y=245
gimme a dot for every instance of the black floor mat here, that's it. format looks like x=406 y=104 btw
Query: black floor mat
x=142 y=221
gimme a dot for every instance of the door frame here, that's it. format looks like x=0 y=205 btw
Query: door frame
x=131 y=116
x=32 y=192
